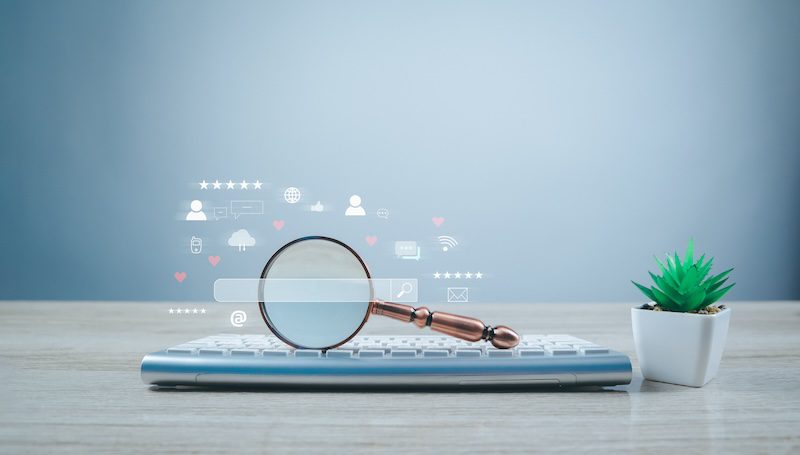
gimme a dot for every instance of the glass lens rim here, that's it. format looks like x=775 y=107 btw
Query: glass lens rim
x=262 y=305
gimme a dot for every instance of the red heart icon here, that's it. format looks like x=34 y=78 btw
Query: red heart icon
x=438 y=220
x=214 y=260
x=371 y=239
x=278 y=224
x=180 y=276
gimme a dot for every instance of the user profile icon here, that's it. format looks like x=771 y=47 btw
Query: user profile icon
x=355 y=208
x=197 y=213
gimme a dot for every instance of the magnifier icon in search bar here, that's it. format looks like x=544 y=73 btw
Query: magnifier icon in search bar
x=406 y=288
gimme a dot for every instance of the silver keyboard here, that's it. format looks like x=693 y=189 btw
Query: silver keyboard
x=388 y=347
x=386 y=361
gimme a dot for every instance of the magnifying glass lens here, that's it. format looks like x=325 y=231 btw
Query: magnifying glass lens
x=328 y=315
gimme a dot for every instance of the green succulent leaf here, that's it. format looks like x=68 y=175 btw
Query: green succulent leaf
x=666 y=288
x=716 y=278
x=694 y=300
x=716 y=295
x=679 y=271
x=665 y=301
x=690 y=281
x=716 y=286
x=647 y=292
x=688 y=260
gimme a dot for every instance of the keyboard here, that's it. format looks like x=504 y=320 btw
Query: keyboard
x=429 y=360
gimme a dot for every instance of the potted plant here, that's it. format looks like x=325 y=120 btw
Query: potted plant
x=680 y=334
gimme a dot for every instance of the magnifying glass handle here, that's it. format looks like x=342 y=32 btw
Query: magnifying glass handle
x=462 y=327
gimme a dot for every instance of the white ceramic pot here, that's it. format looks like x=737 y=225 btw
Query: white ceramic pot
x=679 y=348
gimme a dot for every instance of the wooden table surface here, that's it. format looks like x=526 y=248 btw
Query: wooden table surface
x=69 y=382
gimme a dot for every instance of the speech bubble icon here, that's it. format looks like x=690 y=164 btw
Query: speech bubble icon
x=239 y=208
x=220 y=213
x=406 y=249
x=383 y=213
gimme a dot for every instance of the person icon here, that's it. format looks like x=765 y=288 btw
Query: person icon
x=197 y=212
x=355 y=208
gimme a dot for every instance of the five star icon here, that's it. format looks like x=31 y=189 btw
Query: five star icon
x=458 y=275
x=230 y=185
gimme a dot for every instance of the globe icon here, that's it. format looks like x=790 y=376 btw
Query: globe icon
x=291 y=195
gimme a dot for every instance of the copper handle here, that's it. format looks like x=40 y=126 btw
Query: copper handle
x=462 y=327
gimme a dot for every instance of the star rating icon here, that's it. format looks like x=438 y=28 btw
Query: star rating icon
x=187 y=311
x=458 y=275
x=230 y=185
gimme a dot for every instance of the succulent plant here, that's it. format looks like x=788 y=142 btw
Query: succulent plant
x=683 y=286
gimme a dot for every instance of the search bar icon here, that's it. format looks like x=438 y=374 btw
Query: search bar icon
x=317 y=290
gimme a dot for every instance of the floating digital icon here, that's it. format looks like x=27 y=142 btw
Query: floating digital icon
x=187 y=311
x=355 y=208
x=438 y=221
x=457 y=295
x=239 y=208
x=292 y=195
x=447 y=242
x=197 y=213
x=278 y=224
x=203 y=185
x=405 y=288
x=238 y=318
x=196 y=245
x=458 y=275
x=241 y=239
x=406 y=249
x=180 y=276
x=213 y=260
x=383 y=213
x=217 y=185
x=318 y=207
x=371 y=240
x=220 y=213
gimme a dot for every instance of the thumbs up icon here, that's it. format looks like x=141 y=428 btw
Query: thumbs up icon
x=318 y=207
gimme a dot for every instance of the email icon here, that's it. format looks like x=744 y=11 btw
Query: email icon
x=457 y=295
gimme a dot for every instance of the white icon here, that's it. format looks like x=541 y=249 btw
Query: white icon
x=406 y=249
x=239 y=208
x=217 y=185
x=220 y=213
x=238 y=318
x=458 y=275
x=241 y=239
x=383 y=213
x=318 y=207
x=292 y=195
x=197 y=212
x=355 y=208
x=196 y=245
x=203 y=185
x=457 y=295
x=406 y=288
x=447 y=242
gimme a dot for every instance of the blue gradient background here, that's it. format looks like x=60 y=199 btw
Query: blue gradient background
x=565 y=142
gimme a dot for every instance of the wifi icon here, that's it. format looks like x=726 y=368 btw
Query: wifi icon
x=447 y=242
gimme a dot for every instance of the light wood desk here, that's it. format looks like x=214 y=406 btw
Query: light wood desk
x=69 y=382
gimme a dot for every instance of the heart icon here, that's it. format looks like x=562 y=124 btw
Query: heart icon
x=371 y=239
x=438 y=220
x=214 y=260
x=180 y=276
x=278 y=224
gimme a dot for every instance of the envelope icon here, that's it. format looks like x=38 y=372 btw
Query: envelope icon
x=457 y=295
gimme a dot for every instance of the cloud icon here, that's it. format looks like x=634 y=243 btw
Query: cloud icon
x=317 y=207
x=241 y=239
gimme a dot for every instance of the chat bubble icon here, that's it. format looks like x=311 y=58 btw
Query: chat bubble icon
x=383 y=213
x=239 y=208
x=220 y=213
x=406 y=249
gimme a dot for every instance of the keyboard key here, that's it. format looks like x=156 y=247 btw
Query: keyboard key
x=307 y=353
x=499 y=352
x=180 y=351
x=403 y=353
x=435 y=353
x=559 y=350
x=243 y=352
x=275 y=352
x=371 y=353
x=218 y=352
x=465 y=352
x=339 y=354
x=594 y=350
x=530 y=352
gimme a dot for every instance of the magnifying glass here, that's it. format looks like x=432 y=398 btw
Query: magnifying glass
x=325 y=323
